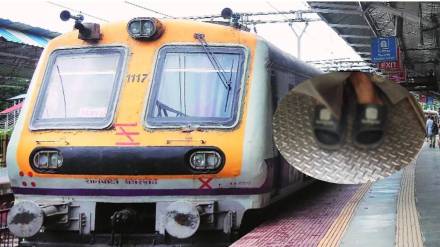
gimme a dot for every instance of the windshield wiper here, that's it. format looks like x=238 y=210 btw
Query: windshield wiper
x=62 y=90
x=220 y=71
x=230 y=79
x=161 y=107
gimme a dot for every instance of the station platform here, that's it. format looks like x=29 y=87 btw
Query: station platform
x=401 y=210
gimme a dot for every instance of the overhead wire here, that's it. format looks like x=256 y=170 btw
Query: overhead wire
x=148 y=9
x=78 y=11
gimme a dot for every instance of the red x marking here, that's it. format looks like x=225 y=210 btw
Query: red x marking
x=129 y=135
x=205 y=183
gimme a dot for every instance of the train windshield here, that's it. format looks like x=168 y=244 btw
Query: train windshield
x=79 y=88
x=190 y=88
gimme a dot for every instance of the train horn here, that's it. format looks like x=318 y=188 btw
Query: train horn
x=86 y=31
x=294 y=135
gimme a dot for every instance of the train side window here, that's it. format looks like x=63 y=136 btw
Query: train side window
x=79 y=89
x=274 y=88
x=188 y=89
x=281 y=83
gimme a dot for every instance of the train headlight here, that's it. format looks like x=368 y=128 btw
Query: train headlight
x=55 y=160
x=146 y=28
x=41 y=160
x=205 y=160
x=47 y=160
x=135 y=28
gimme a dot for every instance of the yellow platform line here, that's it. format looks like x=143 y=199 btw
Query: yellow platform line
x=408 y=232
x=337 y=229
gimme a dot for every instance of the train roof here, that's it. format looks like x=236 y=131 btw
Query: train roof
x=183 y=27
x=286 y=60
x=222 y=33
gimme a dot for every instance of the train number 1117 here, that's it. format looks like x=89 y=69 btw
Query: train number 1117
x=137 y=77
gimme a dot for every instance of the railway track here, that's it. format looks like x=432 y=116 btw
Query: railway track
x=6 y=238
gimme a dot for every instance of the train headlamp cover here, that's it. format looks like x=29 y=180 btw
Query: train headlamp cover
x=47 y=160
x=205 y=160
x=145 y=28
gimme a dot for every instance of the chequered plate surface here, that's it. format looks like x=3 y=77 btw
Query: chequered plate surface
x=293 y=137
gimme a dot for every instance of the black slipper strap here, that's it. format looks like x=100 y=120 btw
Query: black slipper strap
x=327 y=129
x=369 y=124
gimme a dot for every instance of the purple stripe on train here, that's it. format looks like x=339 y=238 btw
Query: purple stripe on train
x=139 y=192
x=265 y=188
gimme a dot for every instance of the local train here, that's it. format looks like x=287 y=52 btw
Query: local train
x=148 y=131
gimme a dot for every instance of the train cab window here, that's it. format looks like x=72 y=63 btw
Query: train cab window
x=79 y=89
x=192 y=86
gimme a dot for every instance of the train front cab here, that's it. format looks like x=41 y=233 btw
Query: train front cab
x=116 y=133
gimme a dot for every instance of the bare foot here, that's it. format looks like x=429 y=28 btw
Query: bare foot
x=364 y=89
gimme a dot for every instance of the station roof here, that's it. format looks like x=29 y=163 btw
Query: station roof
x=20 y=48
x=347 y=20
x=415 y=24
x=21 y=33
x=21 y=96
x=23 y=38
x=12 y=108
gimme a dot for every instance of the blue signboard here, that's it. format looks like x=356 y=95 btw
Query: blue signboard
x=384 y=49
x=429 y=100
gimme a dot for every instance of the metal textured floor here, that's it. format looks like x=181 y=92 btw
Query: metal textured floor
x=401 y=210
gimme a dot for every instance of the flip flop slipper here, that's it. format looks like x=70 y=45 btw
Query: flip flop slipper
x=327 y=130
x=369 y=124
